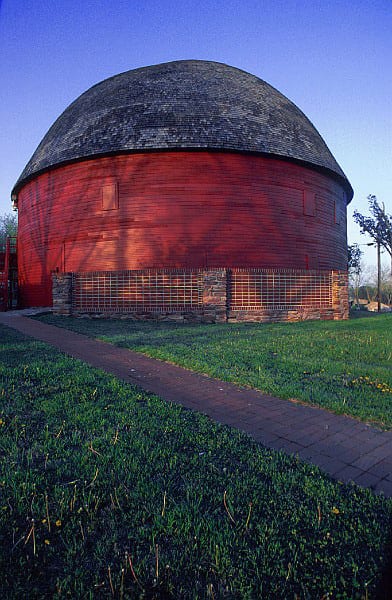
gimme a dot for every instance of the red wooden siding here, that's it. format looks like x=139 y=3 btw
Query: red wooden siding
x=177 y=209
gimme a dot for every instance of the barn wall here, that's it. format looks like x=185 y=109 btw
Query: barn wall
x=174 y=210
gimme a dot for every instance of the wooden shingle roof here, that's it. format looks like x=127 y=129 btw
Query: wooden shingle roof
x=187 y=104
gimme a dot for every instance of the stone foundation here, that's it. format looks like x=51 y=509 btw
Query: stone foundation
x=340 y=301
x=62 y=293
x=214 y=305
x=215 y=296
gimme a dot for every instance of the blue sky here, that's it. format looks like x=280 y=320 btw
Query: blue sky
x=331 y=57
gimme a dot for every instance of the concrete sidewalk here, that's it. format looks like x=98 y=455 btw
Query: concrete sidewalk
x=345 y=448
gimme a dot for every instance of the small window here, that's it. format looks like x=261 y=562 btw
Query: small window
x=312 y=262
x=110 y=196
x=309 y=203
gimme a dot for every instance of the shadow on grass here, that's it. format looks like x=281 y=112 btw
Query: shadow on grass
x=360 y=314
x=384 y=588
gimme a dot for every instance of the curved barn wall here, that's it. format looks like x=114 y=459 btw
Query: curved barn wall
x=177 y=209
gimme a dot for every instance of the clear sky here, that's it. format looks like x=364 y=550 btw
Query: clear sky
x=333 y=58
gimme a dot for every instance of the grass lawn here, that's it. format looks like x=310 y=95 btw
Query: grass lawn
x=109 y=492
x=345 y=366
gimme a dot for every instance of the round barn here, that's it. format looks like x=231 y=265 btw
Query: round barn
x=184 y=190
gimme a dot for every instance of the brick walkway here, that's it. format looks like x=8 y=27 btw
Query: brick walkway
x=345 y=448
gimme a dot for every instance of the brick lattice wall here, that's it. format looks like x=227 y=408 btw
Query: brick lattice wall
x=216 y=287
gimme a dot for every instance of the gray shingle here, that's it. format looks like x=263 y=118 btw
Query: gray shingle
x=183 y=104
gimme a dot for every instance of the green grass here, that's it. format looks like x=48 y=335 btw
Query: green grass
x=344 y=366
x=109 y=492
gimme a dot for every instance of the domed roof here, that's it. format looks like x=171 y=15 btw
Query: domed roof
x=187 y=104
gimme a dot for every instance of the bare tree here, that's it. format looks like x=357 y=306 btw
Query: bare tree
x=371 y=279
x=370 y=283
x=355 y=269
x=378 y=226
x=8 y=227
x=386 y=286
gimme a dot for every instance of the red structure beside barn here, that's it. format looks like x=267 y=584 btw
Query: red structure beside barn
x=181 y=168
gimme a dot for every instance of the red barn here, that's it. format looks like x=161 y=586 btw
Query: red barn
x=175 y=170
